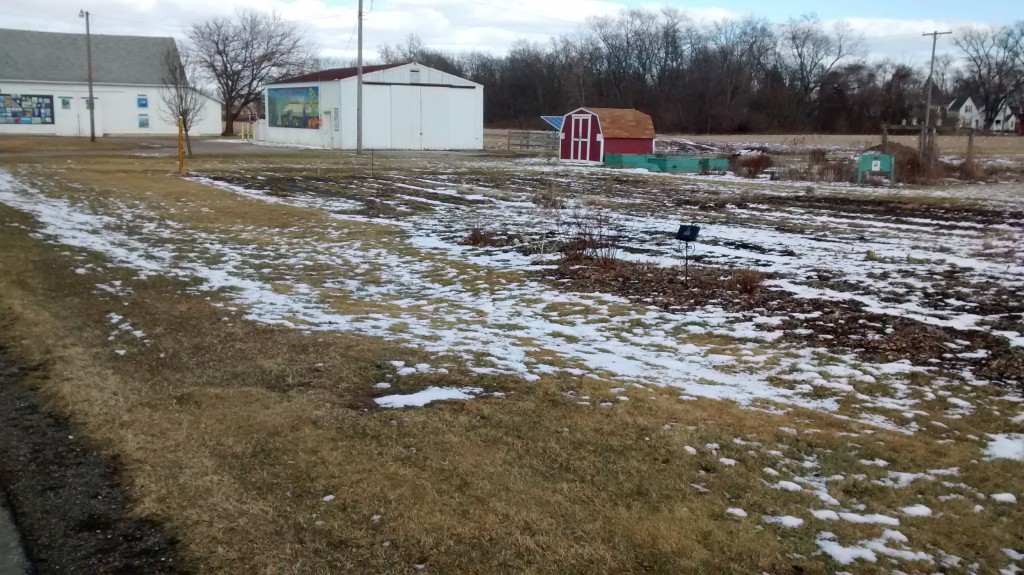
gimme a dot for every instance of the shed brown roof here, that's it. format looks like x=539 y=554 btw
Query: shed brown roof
x=336 y=74
x=624 y=123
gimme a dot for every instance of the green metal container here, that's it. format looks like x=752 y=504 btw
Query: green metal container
x=874 y=163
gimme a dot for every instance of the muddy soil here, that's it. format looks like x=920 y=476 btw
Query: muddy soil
x=356 y=188
x=886 y=209
x=67 y=499
x=838 y=325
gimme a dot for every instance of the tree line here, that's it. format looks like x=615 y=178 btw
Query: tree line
x=736 y=75
x=739 y=75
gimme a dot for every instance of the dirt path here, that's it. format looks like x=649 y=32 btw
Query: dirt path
x=65 y=498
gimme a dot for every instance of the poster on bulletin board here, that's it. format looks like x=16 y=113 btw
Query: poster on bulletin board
x=26 y=109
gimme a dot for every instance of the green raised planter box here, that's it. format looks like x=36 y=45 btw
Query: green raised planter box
x=667 y=163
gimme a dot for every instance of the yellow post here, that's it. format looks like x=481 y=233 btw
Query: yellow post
x=181 y=145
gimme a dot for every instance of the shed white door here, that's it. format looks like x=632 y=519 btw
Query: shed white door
x=581 y=137
x=406 y=120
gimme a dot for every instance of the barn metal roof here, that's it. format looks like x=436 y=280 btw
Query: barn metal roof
x=57 y=57
x=554 y=121
x=337 y=74
x=624 y=123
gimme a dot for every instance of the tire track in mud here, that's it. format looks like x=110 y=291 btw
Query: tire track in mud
x=66 y=499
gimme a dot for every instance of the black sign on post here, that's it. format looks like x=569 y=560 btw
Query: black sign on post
x=688 y=233
x=685 y=235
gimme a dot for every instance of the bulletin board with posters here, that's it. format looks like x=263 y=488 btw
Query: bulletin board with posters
x=26 y=109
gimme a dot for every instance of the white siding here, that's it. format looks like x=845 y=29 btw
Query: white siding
x=326 y=136
x=396 y=114
x=117 y=111
x=401 y=75
x=378 y=122
x=406 y=117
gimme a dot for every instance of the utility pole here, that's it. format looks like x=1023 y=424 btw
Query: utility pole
x=359 y=85
x=931 y=70
x=88 y=57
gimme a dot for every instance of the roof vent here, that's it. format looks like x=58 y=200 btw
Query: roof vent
x=414 y=76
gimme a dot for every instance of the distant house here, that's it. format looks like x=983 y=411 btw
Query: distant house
x=963 y=112
x=588 y=134
x=1005 y=120
x=44 y=85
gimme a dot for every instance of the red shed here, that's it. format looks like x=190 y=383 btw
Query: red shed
x=588 y=134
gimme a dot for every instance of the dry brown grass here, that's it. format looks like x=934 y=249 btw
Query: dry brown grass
x=22 y=144
x=231 y=433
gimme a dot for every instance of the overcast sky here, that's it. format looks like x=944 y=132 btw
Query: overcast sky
x=891 y=28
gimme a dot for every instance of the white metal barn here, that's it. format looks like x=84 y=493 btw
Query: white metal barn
x=44 y=88
x=405 y=107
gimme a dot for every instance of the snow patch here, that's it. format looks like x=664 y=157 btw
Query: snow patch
x=421 y=398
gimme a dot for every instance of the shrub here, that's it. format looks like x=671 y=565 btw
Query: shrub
x=481 y=238
x=750 y=166
x=817 y=157
x=549 y=199
x=377 y=209
x=591 y=236
x=749 y=281
x=839 y=171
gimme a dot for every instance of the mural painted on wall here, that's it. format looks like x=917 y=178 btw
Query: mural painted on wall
x=293 y=107
x=26 y=109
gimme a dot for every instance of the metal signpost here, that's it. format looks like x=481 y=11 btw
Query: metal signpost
x=181 y=145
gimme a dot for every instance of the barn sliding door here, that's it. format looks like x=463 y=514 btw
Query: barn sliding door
x=581 y=137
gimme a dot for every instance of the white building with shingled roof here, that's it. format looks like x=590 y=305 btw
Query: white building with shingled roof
x=44 y=86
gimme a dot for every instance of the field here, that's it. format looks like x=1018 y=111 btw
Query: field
x=476 y=363
x=951 y=145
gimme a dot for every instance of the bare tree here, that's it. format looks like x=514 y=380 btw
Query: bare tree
x=994 y=64
x=810 y=53
x=944 y=69
x=181 y=97
x=243 y=54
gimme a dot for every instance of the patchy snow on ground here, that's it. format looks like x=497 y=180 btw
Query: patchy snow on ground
x=423 y=397
x=416 y=284
x=785 y=521
x=917 y=511
x=410 y=280
x=1005 y=446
